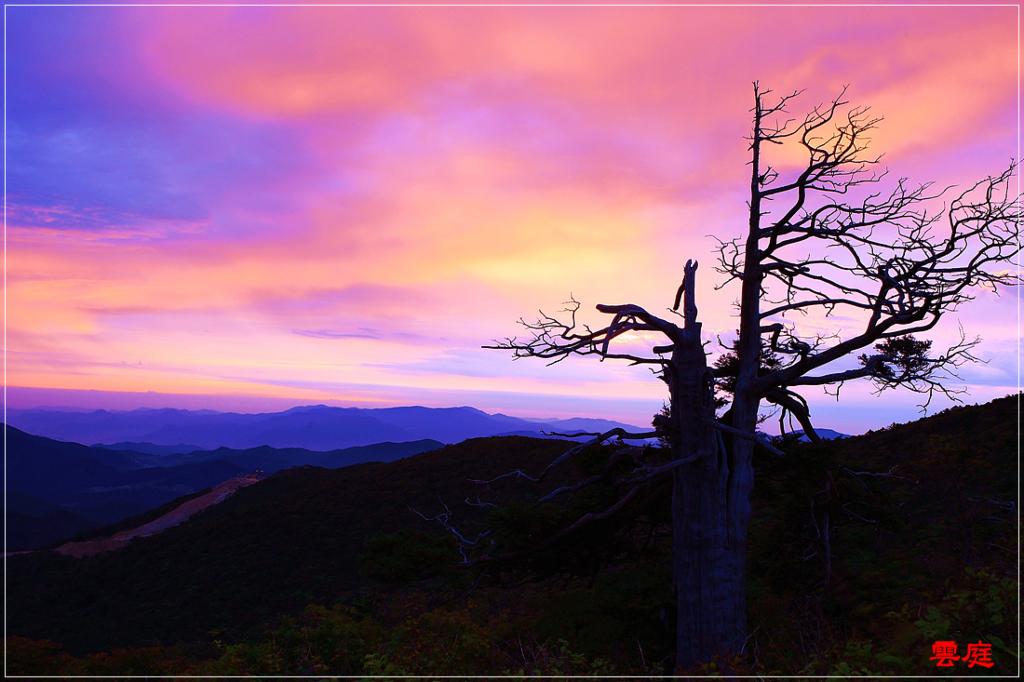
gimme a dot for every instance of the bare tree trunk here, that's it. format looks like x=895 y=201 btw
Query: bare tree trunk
x=709 y=555
x=711 y=500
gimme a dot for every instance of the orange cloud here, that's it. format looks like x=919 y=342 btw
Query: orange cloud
x=410 y=181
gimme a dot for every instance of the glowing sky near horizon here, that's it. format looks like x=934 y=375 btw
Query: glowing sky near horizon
x=341 y=205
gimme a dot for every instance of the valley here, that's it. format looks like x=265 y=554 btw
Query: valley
x=354 y=560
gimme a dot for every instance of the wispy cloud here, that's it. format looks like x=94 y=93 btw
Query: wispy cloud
x=282 y=197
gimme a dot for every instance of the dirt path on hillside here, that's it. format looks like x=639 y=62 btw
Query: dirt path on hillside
x=168 y=520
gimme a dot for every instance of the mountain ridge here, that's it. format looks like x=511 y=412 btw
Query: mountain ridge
x=312 y=427
x=56 y=488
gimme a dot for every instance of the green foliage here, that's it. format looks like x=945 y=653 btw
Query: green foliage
x=528 y=537
x=974 y=608
x=560 y=660
x=407 y=555
x=520 y=524
x=626 y=614
x=592 y=461
x=902 y=356
x=27 y=657
x=727 y=366
x=917 y=553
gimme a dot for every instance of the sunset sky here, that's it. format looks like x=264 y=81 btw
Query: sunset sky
x=273 y=206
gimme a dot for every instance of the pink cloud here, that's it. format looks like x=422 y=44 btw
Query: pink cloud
x=362 y=196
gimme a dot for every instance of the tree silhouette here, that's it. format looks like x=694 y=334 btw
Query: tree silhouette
x=822 y=241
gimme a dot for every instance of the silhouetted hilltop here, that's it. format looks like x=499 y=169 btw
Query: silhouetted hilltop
x=100 y=484
x=314 y=427
x=25 y=531
x=152 y=448
x=94 y=486
x=270 y=548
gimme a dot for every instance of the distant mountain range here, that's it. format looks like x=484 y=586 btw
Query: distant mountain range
x=145 y=458
x=316 y=427
x=56 y=489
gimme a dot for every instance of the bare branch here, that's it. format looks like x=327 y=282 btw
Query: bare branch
x=882 y=257
x=797 y=406
x=517 y=473
x=873 y=474
x=556 y=340
x=600 y=438
x=585 y=520
x=758 y=438
x=442 y=518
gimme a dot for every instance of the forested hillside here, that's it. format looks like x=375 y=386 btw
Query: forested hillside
x=863 y=553
x=56 y=489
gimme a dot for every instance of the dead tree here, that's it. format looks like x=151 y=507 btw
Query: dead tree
x=819 y=242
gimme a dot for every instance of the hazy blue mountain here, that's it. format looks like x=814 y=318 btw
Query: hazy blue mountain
x=96 y=483
x=824 y=434
x=26 y=504
x=378 y=452
x=46 y=476
x=152 y=448
x=103 y=427
x=268 y=459
x=314 y=427
x=593 y=425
